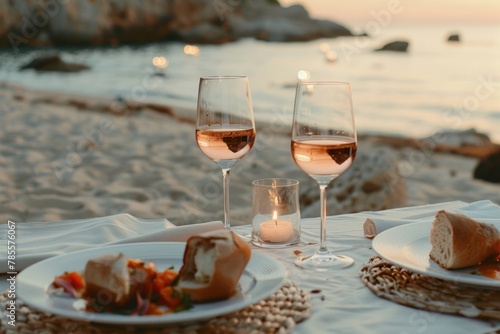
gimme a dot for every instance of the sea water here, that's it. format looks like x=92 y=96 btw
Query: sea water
x=436 y=85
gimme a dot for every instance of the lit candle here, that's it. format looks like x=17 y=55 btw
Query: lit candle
x=276 y=230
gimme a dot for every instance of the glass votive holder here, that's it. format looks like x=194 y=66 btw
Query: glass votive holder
x=276 y=212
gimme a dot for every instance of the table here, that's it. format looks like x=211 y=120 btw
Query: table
x=345 y=304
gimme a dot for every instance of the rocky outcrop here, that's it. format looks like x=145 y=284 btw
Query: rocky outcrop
x=110 y=22
x=488 y=169
x=275 y=23
x=463 y=142
x=53 y=63
x=454 y=38
x=373 y=182
x=398 y=46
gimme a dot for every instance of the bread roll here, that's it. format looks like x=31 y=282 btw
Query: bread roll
x=107 y=281
x=212 y=265
x=458 y=241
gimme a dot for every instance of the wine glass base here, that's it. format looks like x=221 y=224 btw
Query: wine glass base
x=323 y=261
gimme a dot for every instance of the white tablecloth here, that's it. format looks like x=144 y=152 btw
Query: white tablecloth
x=345 y=304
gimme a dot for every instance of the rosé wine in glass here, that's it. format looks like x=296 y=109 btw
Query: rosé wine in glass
x=225 y=144
x=225 y=126
x=323 y=145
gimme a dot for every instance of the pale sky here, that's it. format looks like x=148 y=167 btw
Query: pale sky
x=359 y=11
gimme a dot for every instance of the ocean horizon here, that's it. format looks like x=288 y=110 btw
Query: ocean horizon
x=435 y=86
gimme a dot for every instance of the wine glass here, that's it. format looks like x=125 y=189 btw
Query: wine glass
x=225 y=126
x=323 y=145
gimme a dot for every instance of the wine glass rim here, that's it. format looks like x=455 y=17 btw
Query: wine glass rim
x=275 y=182
x=218 y=77
x=317 y=83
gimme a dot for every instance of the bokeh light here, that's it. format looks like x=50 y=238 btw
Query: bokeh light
x=324 y=47
x=331 y=56
x=160 y=62
x=191 y=50
x=303 y=75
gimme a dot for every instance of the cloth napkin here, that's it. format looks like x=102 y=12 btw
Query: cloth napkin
x=374 y=226
x=484 y=211
x=37 y=241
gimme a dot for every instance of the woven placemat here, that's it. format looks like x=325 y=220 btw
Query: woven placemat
x=276 y=314
x=407 y=288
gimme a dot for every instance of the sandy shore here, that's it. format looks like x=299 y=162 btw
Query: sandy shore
x=65 y=157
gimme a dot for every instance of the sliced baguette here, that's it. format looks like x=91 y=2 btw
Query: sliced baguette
x=212 y=265
x=458 y=241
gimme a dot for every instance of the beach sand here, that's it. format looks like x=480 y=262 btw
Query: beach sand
x=68 y=156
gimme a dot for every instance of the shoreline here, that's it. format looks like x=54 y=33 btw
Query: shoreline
x=68 y=156
x=453 y=142
x=180 y=113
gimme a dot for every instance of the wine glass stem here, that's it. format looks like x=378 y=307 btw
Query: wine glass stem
x=322 y=196
x=225 y=182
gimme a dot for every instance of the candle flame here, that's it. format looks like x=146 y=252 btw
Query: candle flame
x=275 y=218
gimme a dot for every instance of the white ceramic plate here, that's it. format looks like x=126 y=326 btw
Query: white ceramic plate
x=408 y=246
x=261 y=278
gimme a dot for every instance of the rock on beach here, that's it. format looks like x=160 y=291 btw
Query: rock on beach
x=398 y=46
x=53 y=63
x=488 y=169
x=107 y=22
x=454 y=38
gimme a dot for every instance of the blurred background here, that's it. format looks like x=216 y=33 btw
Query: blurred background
x=416 y=68
x=446 y=76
